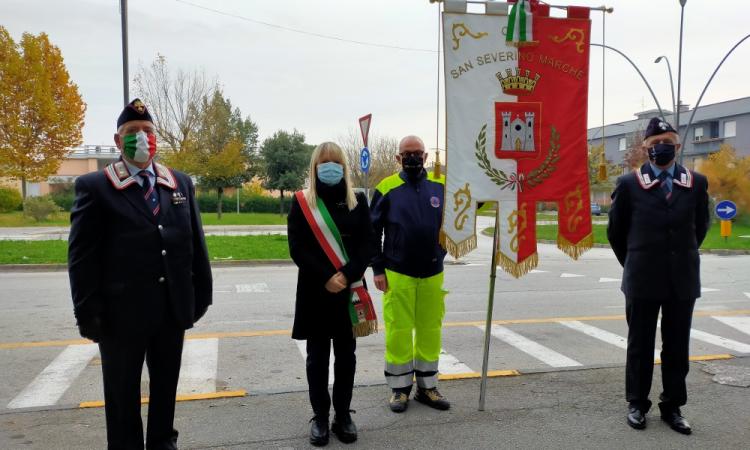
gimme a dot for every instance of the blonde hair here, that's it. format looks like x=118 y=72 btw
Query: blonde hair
x=333 y=152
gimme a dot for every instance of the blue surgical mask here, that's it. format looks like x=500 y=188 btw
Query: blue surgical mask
x=330 y=173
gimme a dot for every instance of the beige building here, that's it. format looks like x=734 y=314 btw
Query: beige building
x=80 y=161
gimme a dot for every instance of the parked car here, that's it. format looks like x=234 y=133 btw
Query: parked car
x=596 y=209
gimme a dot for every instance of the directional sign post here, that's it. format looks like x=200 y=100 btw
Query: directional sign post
x=364 y=157
x=726 y=210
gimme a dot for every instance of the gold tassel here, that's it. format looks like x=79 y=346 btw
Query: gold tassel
x=577 y=249
x=460 y=249
x=365 y=328
x=518 y=269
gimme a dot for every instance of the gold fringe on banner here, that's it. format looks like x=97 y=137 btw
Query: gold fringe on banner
x=517 y=269
x=460 y=249
x=577 y=249
x=365 y=328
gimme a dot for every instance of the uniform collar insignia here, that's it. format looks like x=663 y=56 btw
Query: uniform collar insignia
x=643 y=175
x=165 y=177
x=683 y=177
x=120 y=177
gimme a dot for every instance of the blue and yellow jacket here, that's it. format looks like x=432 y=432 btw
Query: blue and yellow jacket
x=410 y=212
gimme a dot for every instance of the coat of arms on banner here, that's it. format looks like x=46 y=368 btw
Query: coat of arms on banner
x=516 y=128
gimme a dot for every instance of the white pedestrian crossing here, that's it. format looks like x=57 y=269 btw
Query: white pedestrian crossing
x=534 y=349
x=609 y=280
x=602 y=335
x=200 y=360
x=719 y=341
x=571 y=275
x=739 y=323
x=252 y=288
x=450 y=365
x=47 y=388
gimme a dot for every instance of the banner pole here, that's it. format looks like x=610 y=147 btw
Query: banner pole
x=490 y=303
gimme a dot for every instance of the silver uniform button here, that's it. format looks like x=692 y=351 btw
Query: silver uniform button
x=163 y=252
x=161 y=227
x=161 y=279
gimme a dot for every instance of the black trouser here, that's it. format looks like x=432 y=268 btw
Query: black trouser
x=318 y=352
x=158 y=340
x=642 y=316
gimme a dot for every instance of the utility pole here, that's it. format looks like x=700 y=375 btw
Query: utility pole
x=124 y=26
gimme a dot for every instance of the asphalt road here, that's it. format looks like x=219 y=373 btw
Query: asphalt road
x=566 y=314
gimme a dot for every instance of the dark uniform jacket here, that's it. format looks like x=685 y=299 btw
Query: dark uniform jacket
x=656 y=239
x=410 y=213
x=317 y=312
x=122 y=259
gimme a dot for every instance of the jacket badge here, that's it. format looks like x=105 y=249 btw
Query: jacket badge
x=178 y=198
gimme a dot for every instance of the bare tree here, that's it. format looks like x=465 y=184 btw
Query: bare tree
x=635 y=156
x=383 y=151
x=175 y=101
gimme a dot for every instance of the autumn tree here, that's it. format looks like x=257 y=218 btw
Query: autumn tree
x=175 y=100
x=383 y=151
x=728 y=177
x=595 y=160
x=41 y=111
x=635 y=156
x=224 y=154
x=286 y=158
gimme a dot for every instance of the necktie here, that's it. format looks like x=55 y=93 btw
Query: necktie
x=665 y=183
x=149 y=193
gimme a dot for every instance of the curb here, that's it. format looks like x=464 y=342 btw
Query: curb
x=707 y=251
x=221 y=263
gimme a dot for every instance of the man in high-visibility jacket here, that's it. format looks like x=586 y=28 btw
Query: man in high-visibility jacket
x=408 y=268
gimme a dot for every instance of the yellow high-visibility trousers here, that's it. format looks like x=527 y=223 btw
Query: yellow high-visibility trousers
x=413 y=311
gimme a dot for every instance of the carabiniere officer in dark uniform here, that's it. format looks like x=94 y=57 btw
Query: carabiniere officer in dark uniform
x=139 y=277
x=657 y=221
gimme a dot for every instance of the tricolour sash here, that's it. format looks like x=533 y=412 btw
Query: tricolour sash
x=361 y=309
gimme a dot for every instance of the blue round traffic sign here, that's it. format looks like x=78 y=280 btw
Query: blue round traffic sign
x=725 y=210
x=364 y=160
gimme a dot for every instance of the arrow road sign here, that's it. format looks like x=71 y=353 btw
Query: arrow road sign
x=726 y=210
x=364 y=160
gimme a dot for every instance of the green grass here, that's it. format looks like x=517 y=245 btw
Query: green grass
x=713 y=239
x=17 y=219
x=244 y=219
x=219 y=248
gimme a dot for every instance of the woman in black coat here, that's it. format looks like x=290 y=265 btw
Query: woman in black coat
x=323 y=295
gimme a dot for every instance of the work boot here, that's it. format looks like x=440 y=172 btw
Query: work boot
x=432 y=398
x=398 y=402
x=319 y=434
x=343 y=427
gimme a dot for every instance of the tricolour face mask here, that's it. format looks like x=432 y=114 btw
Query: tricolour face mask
x=140 y=147
x=330 y=173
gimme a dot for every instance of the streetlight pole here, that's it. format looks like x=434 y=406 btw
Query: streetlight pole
x=656 y=100
x=124 y=26
x=679 y=70
x=671 y=82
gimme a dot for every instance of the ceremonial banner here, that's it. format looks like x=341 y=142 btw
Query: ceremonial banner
x=516 y=128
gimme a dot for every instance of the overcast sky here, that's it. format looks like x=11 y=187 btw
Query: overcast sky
x=285 y=80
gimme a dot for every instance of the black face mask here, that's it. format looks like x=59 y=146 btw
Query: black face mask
x=662 y=154
x=412 y=164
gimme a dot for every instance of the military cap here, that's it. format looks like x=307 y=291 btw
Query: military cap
x=134 y=110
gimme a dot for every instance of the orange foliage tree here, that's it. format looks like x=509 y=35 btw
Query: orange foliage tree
x=729 y=177
x=41 y=111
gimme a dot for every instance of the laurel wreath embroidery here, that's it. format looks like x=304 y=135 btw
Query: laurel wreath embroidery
x=534 y=178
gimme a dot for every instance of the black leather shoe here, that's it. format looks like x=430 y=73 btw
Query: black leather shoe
x=319 y=434
x=343 y=427
x=676 y=422
x=636 y=419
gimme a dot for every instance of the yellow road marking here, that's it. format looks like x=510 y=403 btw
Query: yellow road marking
x=490 y=374
x=261 y=333
x=179 y=398
x=703 y=358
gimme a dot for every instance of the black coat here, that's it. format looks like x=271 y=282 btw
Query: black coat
x=121 y=257
x=656 y=240
x=317 y=312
